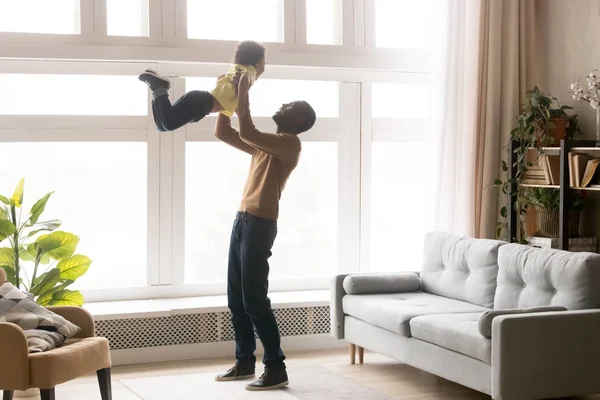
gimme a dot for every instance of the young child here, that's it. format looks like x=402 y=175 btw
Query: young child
x=249 y=64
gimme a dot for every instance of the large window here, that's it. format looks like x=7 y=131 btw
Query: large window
x=100 y=195
x=40 y=16
x=237 y=20
x=154 y=210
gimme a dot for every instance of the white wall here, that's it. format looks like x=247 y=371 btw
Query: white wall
x=570 y=40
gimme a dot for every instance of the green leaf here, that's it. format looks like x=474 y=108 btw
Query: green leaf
x=32 y=251
x=497 y=182
x=38 y=209
x=49 y=280
x=7 y=228
x=3 y=213
x=61 y=298
x=5 y=200
x=503 y=212
x=59 y=245
x=47 y=226
x=74 y=267
x=7 y=257
x=17 y=196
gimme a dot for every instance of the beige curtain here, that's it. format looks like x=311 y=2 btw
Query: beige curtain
x=508 y=55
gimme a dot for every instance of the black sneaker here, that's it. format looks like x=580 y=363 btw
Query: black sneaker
x=154 y=80
x=270 y=380
x=237 y=372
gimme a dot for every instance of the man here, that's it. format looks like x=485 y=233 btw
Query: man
x=274 y=157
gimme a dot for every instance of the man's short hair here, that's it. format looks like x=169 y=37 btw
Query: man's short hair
x=309 y=120
x=249 y=52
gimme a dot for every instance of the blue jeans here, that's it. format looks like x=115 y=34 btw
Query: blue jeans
x=191 y=107
x=247 y=286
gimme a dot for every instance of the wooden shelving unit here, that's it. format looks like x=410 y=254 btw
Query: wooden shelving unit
x=566 y=146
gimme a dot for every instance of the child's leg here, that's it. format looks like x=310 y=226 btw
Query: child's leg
x=191 y=107
x=157 y=120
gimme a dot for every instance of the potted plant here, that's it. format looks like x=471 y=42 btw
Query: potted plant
x=542 y=122
x=546 y=202
x=40 y=260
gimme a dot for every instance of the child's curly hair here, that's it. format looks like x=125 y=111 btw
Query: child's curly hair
x=249 y=52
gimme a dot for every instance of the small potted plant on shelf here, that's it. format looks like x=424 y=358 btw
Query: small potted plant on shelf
x=546 y=202
x=543 y=122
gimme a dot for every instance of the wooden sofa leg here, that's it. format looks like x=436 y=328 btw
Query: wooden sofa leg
x=105 y=384
x=352 y=353
x=361 y=355
x=7 y=395
x=47 y=394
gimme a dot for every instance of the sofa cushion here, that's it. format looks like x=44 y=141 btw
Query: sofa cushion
x=461 y=268
x=16 y=307
x=394 y=311
x=484 y=323
x=456 y=332
x=382 y=283
x=531 y=277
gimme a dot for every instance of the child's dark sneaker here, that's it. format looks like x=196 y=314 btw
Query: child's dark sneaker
x=154 y=80
x=237 y=372
x=270 y=380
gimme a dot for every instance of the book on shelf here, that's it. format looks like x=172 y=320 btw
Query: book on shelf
x=580 y=162
x=551 y=167
x=591 y=172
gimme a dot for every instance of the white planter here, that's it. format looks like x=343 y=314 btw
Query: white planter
x=30 y=394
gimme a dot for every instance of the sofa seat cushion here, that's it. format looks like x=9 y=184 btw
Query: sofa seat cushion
x=76 y=358
x=456 y=332
x=394 y=311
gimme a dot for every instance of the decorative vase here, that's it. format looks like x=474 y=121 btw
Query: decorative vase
x=30 y=394
x=598 y=127
x=547 y=222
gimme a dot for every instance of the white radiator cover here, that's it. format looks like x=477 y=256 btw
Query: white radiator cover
x=203 y=328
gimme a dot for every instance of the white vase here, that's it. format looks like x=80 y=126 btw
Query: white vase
x=29 y=394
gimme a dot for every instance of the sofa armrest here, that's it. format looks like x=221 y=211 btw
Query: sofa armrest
x=78 y=316
x=337 y=293
x=14 y=368
x=546 y=355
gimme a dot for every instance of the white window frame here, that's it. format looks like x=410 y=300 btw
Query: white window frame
x=354 y=64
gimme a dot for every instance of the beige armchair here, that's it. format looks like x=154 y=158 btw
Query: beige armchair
x=79 y=356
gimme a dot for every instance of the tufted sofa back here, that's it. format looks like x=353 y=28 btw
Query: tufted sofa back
x=461 y=268
x=530 y=277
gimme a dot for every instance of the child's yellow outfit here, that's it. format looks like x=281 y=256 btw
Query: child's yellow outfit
x=224 y=92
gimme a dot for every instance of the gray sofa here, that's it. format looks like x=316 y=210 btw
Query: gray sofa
x=440 y=319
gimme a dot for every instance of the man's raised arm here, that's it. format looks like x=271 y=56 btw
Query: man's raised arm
x=226 y=133
x=281 y=146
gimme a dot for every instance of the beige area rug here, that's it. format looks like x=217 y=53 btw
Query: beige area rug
x=310 y=382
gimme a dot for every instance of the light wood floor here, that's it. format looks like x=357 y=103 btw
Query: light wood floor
x=384 y=375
